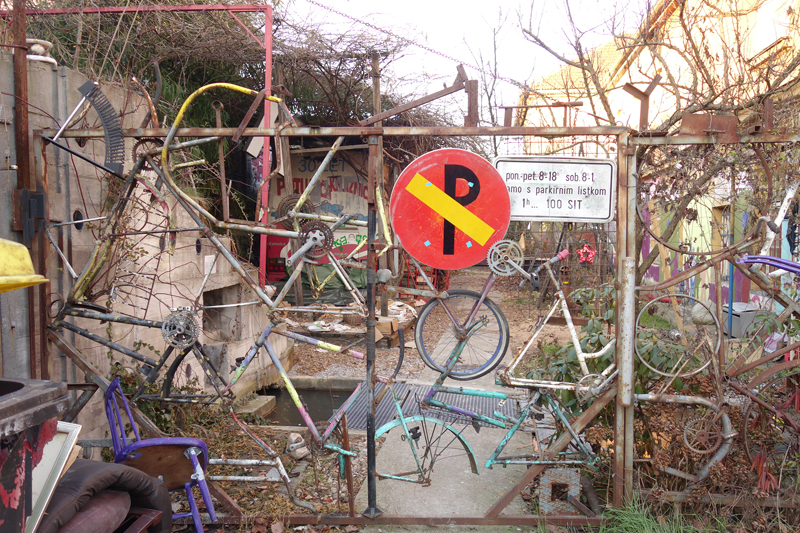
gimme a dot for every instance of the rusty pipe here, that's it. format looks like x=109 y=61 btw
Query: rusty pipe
x=627 y=332
x=728 y=433
x=223 y=187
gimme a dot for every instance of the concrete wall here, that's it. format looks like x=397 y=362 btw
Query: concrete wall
x=144 y=276
x=52 y=93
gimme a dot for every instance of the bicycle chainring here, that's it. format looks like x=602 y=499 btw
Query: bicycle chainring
x=501 y=256
x=287 y=206
x=589 y=382
x=322 y=236
x=702 y=435
x=180 y=328
x=144 y=145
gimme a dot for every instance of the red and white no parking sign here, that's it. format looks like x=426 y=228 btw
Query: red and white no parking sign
x=448 y=207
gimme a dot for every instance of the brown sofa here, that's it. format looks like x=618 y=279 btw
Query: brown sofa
x=86 y=480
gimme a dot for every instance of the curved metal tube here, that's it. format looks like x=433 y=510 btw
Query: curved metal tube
x=171 y=135
x=728 y=432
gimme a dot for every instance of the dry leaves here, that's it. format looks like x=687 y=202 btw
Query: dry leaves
x=259 y=525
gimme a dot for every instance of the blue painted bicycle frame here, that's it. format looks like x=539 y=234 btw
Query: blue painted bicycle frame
x=499 y=419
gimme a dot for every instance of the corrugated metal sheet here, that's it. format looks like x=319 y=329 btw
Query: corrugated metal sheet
x=475 y=404
x=357 y=414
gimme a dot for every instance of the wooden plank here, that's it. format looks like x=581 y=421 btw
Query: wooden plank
x=411 y=105
x=224 y=498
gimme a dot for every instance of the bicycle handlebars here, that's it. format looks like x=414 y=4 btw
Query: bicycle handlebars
x=552 y=261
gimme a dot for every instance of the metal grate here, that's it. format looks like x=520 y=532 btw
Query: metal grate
x=411 y=395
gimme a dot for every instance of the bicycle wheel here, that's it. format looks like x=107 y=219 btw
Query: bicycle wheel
x=676 y=335
x=436 y=336
x=431 y=441
x=184 y=383
x=771 y=443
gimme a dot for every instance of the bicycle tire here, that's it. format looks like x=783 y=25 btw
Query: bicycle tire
x=672 y=331
x=436 y=440
x=170 y=388
x=435 y=336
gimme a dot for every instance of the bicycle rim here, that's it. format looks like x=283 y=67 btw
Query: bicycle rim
x=433 y=442
x=676 y=335
x=771 y=444
x=436 y=337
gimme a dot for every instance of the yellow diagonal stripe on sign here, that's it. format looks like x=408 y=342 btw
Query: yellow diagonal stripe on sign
x=455 y=213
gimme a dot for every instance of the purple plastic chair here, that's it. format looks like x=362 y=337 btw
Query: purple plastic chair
x=174 y=460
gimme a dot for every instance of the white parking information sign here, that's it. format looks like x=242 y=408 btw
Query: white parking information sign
x=559 y=189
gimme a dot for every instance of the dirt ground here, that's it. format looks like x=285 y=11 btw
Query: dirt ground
x=316 y=480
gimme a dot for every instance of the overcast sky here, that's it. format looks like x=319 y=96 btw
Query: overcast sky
x=457 y=31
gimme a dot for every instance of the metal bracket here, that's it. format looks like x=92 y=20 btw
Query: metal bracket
x=644 y=100
x=28 y=206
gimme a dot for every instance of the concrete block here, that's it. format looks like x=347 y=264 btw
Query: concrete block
x=258 y=406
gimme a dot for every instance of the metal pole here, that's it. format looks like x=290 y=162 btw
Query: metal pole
x=44 y=290
x=732 y=237
x=21 y=145
x=626 y=310
x=21 y=101
x=348 y=469
x=223 y=186
x=631 y=254
x=372 y=510
x=621 y=249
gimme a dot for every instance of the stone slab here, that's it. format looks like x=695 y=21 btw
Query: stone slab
x=258 y=406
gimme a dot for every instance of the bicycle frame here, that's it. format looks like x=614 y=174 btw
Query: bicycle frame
x=409 y=437
x=507 y=377
x=500 y=420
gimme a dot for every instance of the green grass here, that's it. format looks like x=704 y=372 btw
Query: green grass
x=638 y=517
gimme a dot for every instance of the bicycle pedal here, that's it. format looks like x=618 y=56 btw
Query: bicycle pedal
x=147 y=370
